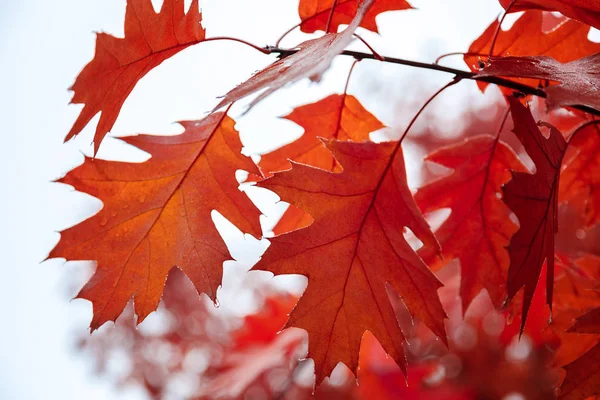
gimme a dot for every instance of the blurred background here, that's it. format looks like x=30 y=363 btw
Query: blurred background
x=44 y=343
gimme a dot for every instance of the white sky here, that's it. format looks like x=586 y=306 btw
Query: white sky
x=43 y=45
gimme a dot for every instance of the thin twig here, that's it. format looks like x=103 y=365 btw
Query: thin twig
x=525 y=89
x=519 y=87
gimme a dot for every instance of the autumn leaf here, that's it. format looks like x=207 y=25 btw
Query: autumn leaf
x=583 y=375
x=262 y=327
x=157 y=215
x=119 y=63
x=258 y=350
x=337 y=116
x=314 y=14
x=334 y=117
x=586 y=11
x=479 y=228
x=293 y=218
x=311 y=60
x=579 y=80
x=566 y=42
x=533 y=198
x=575 y=282
x=350 y=253
x=580 y=178
x=587 y=323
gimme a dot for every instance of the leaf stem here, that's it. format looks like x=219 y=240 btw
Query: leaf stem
x=277 y=43
x=498 y=28
x=582 y=127
x=264 y=50
x=506 y=114
x=330 y=17
x=436 y=94
x=349 y=75
x=375 y=54
x=457 y=53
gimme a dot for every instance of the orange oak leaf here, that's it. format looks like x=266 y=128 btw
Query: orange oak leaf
x=157 y=215
x=312 y=59
x=479 y=228
x=293 y=218
x=351 y=252
x=534 y=200
x=339 y=116
x=587 y=11
x=580 y=178
x=119 y=63
x=314 y=14
x=566 y=42
x=334 y=117
x=579 y=80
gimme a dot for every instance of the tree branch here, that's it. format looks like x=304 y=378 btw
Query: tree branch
x=526 y=89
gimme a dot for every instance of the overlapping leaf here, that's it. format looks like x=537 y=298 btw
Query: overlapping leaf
x=293 y=218
x=339 y=116
x=580 y=179
x=312 y=59
x=583 y=375
x=534 y=200
x=157 y=215
x=479 y=228
x=119 y=63
x=334 y=117
x=579 y=80
x=587 y=11
x=314 y=14
x=352 y=250
x=566 y=42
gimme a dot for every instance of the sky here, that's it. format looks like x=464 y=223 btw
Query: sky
x=43 y=45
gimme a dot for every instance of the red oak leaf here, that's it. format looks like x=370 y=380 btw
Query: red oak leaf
x=335 y=117
x=314 y=14
x=587 y=11
x=579 y=80
x=587 y=323
x=583 y=376
x=352 y=250
x=312 y=59
x=119 y=63
x=262 y=327
x=580 y=178
x=534 y=199
x=157 y=215
x=566 y=42
x=478 y=229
